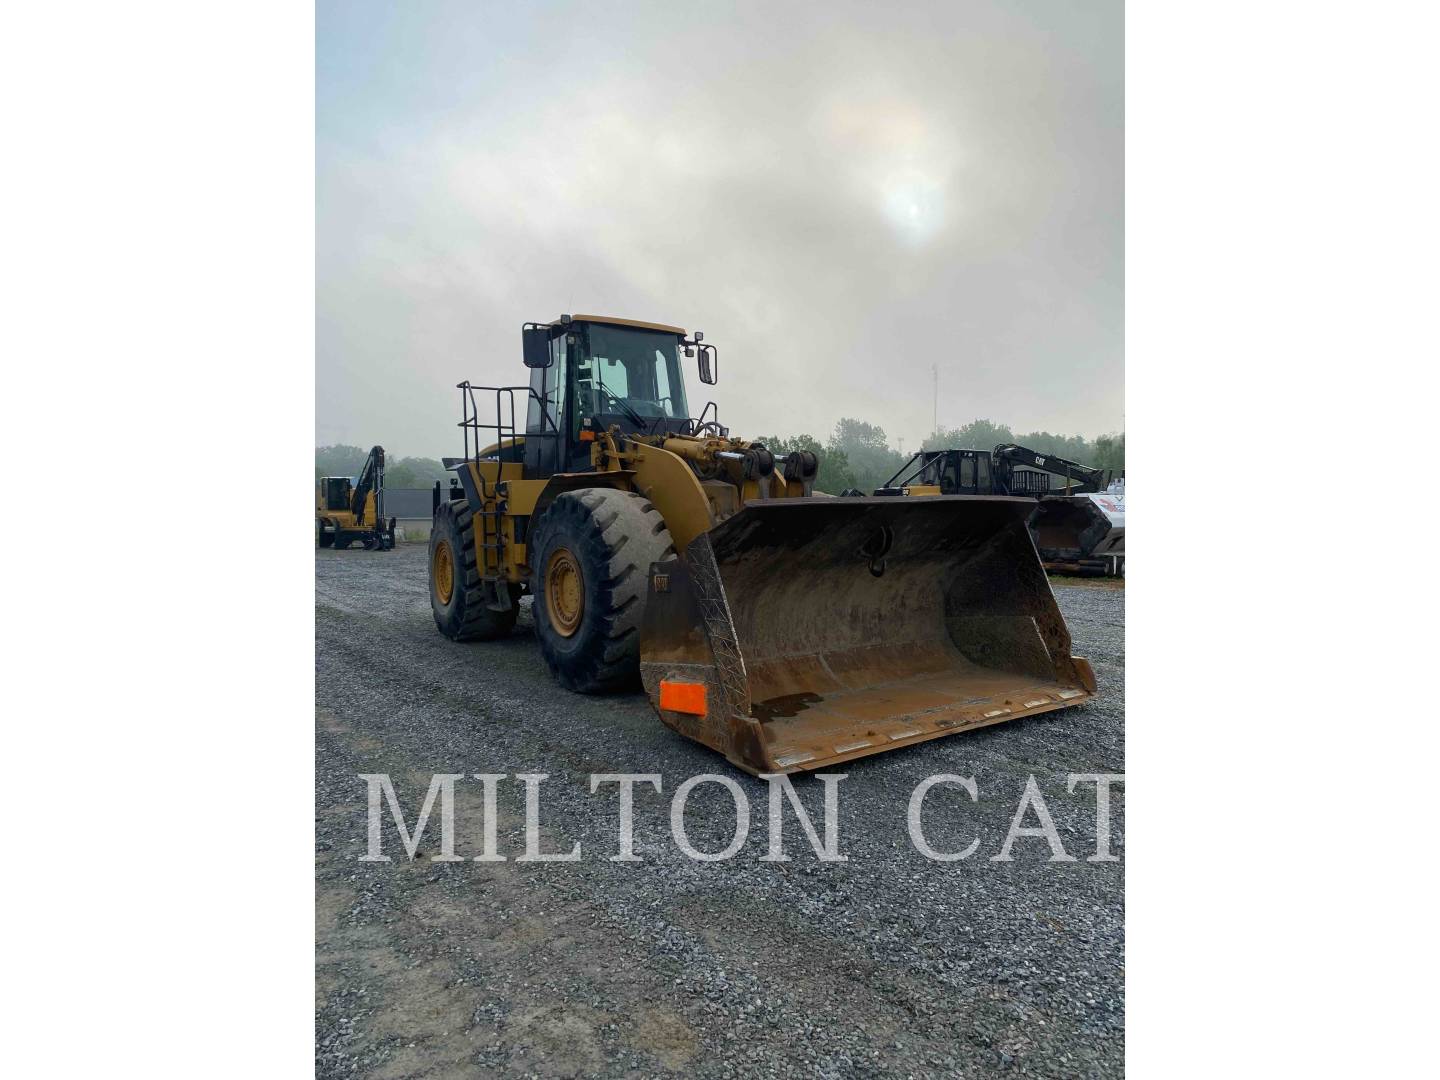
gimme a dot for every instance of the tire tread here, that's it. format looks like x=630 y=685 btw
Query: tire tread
x=619 y=534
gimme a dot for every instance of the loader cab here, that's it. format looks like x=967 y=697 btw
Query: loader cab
x=600 y=373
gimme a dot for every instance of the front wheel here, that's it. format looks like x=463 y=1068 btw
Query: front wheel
x=590 y=559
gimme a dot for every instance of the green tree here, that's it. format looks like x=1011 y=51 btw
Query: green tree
x=339 y=460
x=834 y=475
x=1110 y=453
x=866 y=451
x=976 y=435
x=415 y=472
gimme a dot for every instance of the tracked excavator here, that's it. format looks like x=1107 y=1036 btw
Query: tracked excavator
x=786 y=630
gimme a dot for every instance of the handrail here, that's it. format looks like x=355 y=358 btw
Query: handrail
x=928 y=456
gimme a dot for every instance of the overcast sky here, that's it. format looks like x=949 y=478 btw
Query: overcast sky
x=840 y=195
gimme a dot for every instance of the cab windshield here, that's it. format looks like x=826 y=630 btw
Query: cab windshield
x=640 y=368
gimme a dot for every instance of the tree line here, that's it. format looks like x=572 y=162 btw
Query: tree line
x=404 y=472
x=856 y=454
x=859 y=455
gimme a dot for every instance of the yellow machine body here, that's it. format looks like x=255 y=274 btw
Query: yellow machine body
x=792 y=631
x=347 y=518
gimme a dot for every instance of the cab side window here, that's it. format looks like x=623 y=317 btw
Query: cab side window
x=662 y=383
x=549 y=386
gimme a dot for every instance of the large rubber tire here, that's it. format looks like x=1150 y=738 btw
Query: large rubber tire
x=323 y=538
x=613 y=537
x=464 y=616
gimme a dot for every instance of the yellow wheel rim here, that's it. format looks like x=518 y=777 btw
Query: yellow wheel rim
x=564 y=592
x=442 y=571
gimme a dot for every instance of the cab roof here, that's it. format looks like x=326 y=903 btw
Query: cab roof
x=610 y=320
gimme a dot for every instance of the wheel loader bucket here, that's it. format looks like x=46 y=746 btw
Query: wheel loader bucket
x=803 y=632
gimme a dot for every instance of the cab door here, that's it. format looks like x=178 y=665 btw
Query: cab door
x=967 y=472
x=547 y=425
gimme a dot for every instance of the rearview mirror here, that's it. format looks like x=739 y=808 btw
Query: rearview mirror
x=709 y=361
x=536 y=340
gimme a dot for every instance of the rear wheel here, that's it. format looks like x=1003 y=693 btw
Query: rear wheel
x=323 y=536
x=457 y=595
x=590 y=559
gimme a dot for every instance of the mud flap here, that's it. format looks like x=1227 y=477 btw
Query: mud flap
x=804 y=632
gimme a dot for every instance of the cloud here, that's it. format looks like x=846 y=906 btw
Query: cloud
x=839 y=198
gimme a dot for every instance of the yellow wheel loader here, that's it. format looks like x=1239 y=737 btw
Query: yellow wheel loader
x=353 y=511
x=786 y=629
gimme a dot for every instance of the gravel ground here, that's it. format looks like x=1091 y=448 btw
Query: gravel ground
x=887 y=964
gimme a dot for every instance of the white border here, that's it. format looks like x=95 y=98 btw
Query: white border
x=1281 y=333
x=1281 y=225
x=158 y=285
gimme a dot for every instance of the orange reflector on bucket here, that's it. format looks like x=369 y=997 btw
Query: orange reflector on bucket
x=686 y=697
